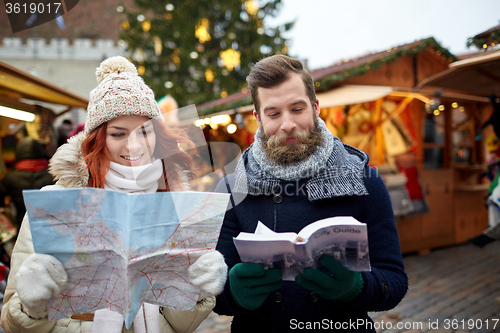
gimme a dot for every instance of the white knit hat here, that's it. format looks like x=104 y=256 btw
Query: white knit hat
x=120 y=92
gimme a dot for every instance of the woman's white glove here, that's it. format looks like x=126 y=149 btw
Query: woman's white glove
x=209 y=273
x=39 y=278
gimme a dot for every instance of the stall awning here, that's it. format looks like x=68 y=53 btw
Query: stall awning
x=17 y=86
x=478 y=76
x=352 y=94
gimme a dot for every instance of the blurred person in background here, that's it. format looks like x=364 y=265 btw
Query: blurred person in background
x=31 y=172
x=63 y=131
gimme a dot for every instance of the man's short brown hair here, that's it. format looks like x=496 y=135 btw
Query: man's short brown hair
x=274 y=70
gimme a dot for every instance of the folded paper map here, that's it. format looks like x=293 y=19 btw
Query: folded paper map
x=120 y=249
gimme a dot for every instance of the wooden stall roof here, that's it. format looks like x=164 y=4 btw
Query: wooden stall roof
x=478 y=76
x=330 y=77
x=17 y=86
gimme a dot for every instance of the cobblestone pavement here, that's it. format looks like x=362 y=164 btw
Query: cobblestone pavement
x=454 y=289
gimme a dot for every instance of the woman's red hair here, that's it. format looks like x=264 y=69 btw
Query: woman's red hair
x=175 y=161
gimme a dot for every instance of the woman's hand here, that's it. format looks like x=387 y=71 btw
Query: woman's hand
x=209 y=273
x=39 y=278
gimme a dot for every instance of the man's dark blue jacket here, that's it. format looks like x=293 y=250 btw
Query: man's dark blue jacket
x=293 y=307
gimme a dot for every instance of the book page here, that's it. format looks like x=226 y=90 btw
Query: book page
x=265 y=234
x=308 y=230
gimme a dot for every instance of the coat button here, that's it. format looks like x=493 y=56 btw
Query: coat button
x=278 y=198
x=313 y=297
x=386 y=287
x=278 y=297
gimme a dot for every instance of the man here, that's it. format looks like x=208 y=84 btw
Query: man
x=295 y=173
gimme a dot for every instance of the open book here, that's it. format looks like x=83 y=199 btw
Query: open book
x=342 y=237
x=120 y=250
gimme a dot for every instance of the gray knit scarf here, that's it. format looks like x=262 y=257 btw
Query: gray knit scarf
x=335 y=169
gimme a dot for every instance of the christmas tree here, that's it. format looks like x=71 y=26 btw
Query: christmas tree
x=199 y=51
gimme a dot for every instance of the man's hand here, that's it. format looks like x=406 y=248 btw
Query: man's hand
x=250 y=284
x=339 y=283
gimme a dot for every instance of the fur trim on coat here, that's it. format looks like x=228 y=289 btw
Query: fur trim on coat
x=67 y=159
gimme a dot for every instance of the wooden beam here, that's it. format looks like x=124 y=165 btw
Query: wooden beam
x=379 y=135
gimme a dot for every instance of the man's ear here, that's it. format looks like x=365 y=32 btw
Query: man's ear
x=256 y=115
x=316 y=108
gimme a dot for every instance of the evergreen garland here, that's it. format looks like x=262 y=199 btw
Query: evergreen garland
x=326 y=82
x=480 y=43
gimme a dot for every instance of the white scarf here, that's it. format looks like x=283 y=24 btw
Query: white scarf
x=134 y=179
x=147 y=320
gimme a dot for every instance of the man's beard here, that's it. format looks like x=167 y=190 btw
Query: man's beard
x=280 y=152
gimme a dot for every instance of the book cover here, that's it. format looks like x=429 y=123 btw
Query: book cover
x=342 y=237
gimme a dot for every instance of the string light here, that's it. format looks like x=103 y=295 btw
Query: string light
x=146 y=25
x=209 y=75
x=231 y=128
x=158 y=45
x=230 y=58
x=251 y=7
x=201 y=31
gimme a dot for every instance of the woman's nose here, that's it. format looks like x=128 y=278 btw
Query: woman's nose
x=134 y=142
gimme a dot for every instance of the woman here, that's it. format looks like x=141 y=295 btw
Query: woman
x=124 y=147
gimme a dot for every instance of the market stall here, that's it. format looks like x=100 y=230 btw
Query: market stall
x=421 y=140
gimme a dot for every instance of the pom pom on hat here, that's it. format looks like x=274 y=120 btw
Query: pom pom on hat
x=120 y=92
x=114 y=65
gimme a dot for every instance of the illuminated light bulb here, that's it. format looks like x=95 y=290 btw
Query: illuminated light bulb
x=16 y=114
x=462 y=109
x=199 y=123
x=158 y=45
x=230 y=58
x=436 y=112
x=209 y=75
x=454 y=105
x=252 y=7
x=201 y=31
x=441 y=107
x=146 y=25
x=231 y=128
x=207 y=121
x=221 y=119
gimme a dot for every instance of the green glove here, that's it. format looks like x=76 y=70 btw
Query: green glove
x=250 y=284
x=339 y=283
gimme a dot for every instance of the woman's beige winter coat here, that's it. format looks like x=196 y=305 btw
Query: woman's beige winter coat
x=64 y=166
